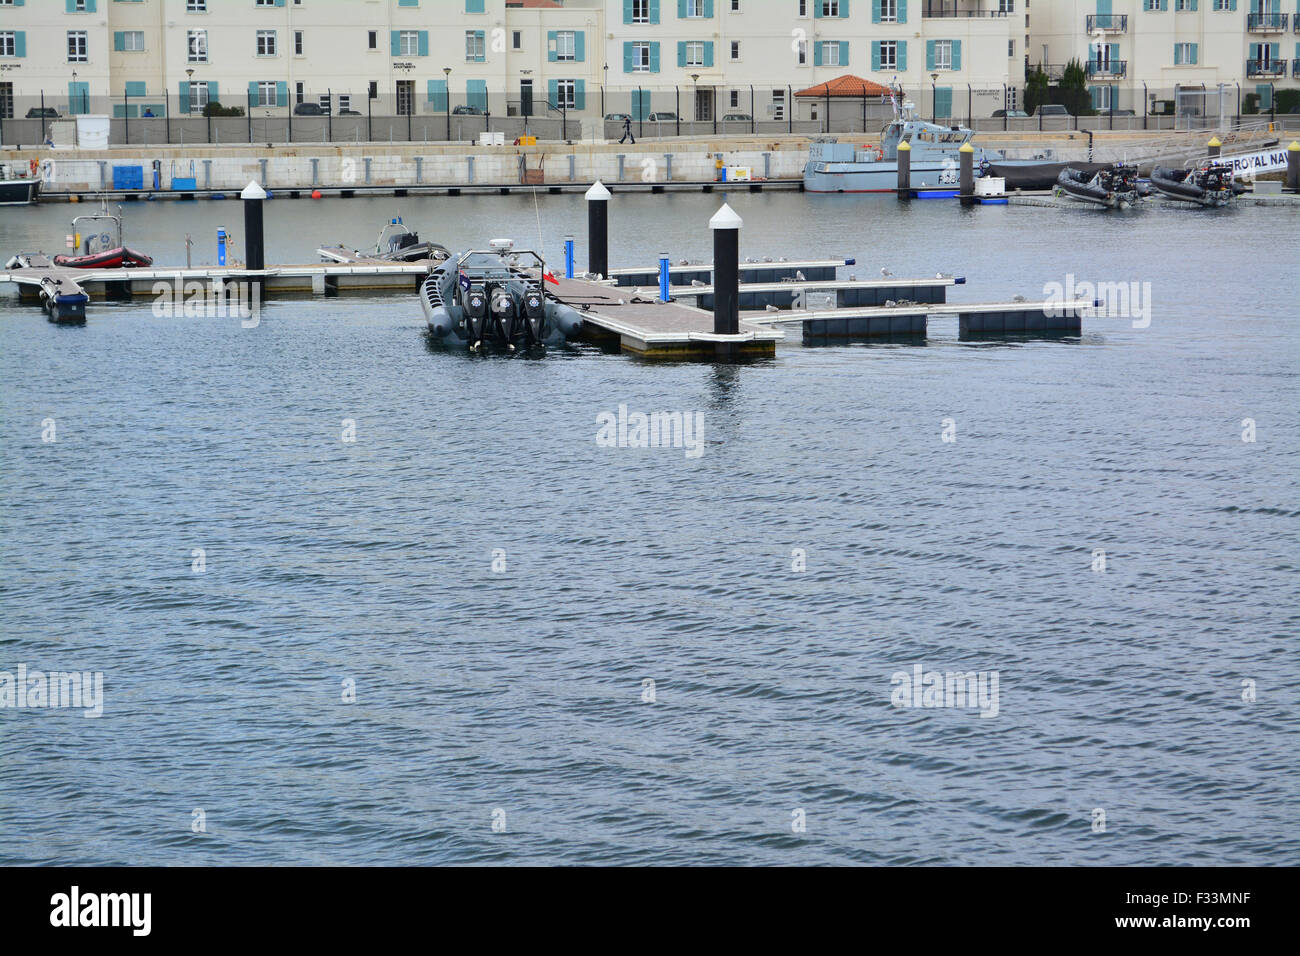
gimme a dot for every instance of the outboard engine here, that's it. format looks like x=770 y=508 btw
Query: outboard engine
x=503 y=314
x=535 y=314
x=476 y=310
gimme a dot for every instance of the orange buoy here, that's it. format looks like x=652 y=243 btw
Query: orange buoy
x=315 y=194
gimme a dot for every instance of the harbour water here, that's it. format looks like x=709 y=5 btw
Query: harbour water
x=495 y=589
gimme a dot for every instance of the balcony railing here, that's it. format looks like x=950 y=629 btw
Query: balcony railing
x=1107 y=23
x=1266 y=22
x=950 y=8
x=1273 y=68
x=1107 y=68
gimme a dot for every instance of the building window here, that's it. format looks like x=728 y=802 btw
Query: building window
x=266 y=93
x=1184 y=54
x=196 y=6
x=297 y=43
x=694 y=8
x=641 y=12
x=830 y=53
x=735 y=49
x=133 y=41
x=78 y=6
x=778 y=104
x=408 y=43
x=888 y=55
x=372 y=40
x=8 y=44
x=888 y=11
x=475 y=45
x=1006 y=6
x=565 y=45
x=77 y=46
x=1182 y=5
x=735 y=98
x=374 y=90
x=566 y=94
x=694 y=54
x=1011 y=48
x=6 y=101
x=735 y=6
x=345 y=101
x=640 y=57
x=801 y=51
x=831 y=8
x=517 y=40
x=943 y=54
x=198 y=96
x=198 y=45
x=266 y=3
x=266 y=43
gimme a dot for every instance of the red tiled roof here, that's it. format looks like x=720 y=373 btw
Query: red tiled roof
x=846 y=85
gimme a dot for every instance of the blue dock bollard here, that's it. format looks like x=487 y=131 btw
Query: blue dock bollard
x=221 y=245
x=664 y=262
x=568 y=257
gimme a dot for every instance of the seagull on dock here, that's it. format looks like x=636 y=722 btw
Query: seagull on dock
x=799 y=276
x=885 y=272
x=890 y=303
x=782 y=259
x=1017 y=298
x=697 y=282
x=771 y=308
x=767 y=258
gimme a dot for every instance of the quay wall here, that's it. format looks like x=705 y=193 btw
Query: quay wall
x=303 y=166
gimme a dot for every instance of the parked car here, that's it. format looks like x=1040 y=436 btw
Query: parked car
x=1117 y=113
x=737 y=118
x=662 y=117
x=349 y=112
x=1052 y=109
x=310 y=109
x=1011 y=114
x=45 y=112
x=466 y=111
x=616 y=117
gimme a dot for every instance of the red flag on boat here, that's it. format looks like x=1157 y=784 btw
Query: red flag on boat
x=550 y=278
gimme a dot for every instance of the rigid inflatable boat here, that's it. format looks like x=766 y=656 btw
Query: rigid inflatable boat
x=119 y=258
x=1115 y=187
x=1210 y=185
x=495 y=297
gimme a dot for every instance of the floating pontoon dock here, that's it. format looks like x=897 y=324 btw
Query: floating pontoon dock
x=910 y=318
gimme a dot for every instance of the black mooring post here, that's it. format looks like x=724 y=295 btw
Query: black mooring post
x=1214 y=148
x=904 y=171
x=1293 y=167
x=254 y=249
x=967 y=174
x=726 y=270
x=598 y=230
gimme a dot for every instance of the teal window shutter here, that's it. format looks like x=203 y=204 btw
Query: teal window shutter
x=213 y=95
x=1114 y=53
x=1232 y=4
x=1195 y=51
x=135 y=88
x=580 y=46
x=708 y=9
x=654 y=57
x=875 y=55
x=1164 y=4
x=438 y=94
x=480 y=35
x=875 y=10
x=654 y=11
x=902 y=56
x=476 y=93
x=20 y=43
x=956 y=54
x=184 y=90
x=1094 y=96
x=1178 y=54
x=844 y=53
x=252 y=93
x=681 y=9
x=579 y=94
x=817 y=54
x=396 y=42
x=929 y=54
x=902 y=11
x=627 y=11
x=473 y=6
x=281 y=93
x=1254 y=52
x=119 y=40
x=629 y=57
x=708 y=55
x=278 y=3
x=552 y=93
x=550 y=47
x=408 y=3
x=423 y=41
x=844 y=9
x=943 y=101
x=1265 y=93
x=681 y=52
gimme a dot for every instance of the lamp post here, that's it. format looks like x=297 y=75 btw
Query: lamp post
x=71 y=107
x=934 y=97
x=446 y=72
x=695 y=100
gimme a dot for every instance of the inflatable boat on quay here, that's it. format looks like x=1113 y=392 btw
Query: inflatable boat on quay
x=495 y=297
x=1211 y=185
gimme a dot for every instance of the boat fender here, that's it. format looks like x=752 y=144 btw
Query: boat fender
x=565 y=318
x=35 y=166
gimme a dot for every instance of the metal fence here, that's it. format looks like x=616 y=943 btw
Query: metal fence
x=405 y=114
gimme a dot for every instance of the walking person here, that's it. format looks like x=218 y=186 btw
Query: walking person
x=627 y=130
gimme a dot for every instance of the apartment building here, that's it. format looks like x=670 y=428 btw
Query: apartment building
x=1133 y=48
x=699 y=57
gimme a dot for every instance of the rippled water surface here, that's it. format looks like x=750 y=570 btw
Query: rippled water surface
x=521 y=692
